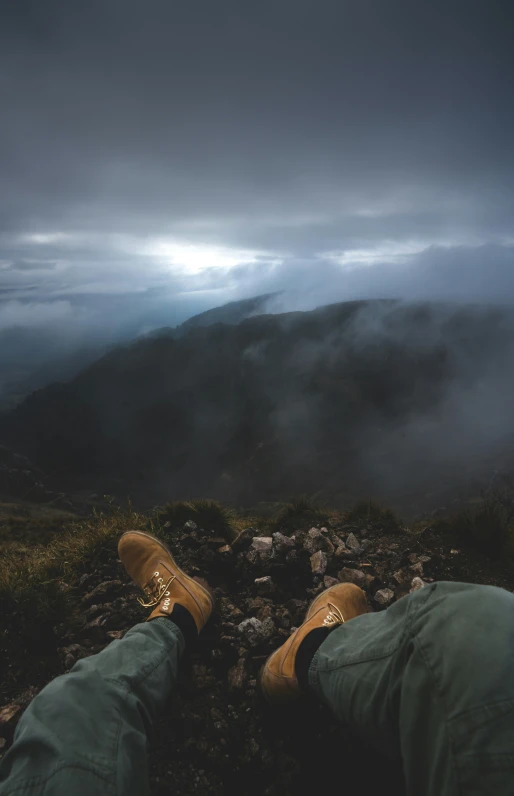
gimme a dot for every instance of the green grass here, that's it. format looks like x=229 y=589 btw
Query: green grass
x=209 y=515
x=487 y=527
x=36 y=581
x=299 y=512
x=365 y=512
x=28 y=523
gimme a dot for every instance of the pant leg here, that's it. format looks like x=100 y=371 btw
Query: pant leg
x=86 y=732
x=431 y=681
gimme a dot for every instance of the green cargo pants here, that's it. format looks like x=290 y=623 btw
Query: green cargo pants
x=430 y=680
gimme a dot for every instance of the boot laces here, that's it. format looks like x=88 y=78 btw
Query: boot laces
x=334 y=616
x=156 y=589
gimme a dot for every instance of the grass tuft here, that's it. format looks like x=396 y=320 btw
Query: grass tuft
x=209 y=515
x=36 y=581
x=487 y=527
x=299 y=512
x=369 y=511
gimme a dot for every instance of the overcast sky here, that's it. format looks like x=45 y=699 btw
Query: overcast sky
x=158 y=157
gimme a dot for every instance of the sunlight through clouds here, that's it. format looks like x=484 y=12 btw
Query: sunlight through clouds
x=193 y=258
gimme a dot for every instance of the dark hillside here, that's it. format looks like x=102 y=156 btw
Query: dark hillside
x=355 y=398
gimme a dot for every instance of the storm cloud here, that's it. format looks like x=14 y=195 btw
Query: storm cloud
x=161 y=158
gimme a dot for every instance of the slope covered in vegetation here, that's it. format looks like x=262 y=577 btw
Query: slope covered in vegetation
x=70 y=597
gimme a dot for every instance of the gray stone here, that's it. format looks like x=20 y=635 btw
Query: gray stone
x=262 y=545
x=329 y=581
x=315 y=540
x=254 y=632
x=384 y=596
x=312 y=542
x=190 y=526
x=319 y=563
x=416 y=584
x=355 y=576
x=282 y=543
x=343 y=552
x=352 y=543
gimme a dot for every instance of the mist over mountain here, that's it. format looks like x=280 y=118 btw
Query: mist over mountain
x=410 y=401
x=157 y=166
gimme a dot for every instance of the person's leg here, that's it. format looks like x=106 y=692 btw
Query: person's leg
x=430 y=680
x=86 y=732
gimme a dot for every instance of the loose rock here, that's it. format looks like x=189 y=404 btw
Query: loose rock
x=315 y=540
x=355 y=576
x=401 y=577
x=282 y=543
x=343 y=552
x=352 y=543
x=254 y=632
x=384 y=596
x=264 y=585
x=416 y=584
x=319 y=563
x=262 y=545
x=237 y=675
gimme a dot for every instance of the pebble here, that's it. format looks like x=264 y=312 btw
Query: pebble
x=384 y=596
x=319 y=563
x=238 y=675
x=254 y=632
x=329 y=581
x=401 y=577
x=343 y=552
x=352 y=543
x=416 y=584
x=264 y=585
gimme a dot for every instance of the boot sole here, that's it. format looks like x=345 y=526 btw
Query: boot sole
x=200 y=582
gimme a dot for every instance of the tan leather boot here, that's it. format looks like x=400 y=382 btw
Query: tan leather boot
x=332 y=607
x=151 y=565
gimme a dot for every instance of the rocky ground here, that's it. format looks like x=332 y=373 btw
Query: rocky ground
x=217 y=736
